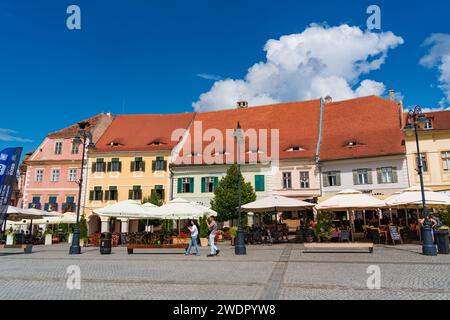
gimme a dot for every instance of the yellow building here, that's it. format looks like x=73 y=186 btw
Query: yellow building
x=434 y=143
x=130 y=162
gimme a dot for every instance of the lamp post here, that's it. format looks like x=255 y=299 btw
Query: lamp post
x=239 y=248
x=82 y=138
x=416 y=119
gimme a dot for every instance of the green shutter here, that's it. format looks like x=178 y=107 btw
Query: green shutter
x=94 y=167
x=203 y=184
x=91 y=195
x=216 y=183
x=120 y=166
x=107 y=195
x=394 y=175
x=369 y=174
x=338 y=178
x=379 y=176
x=325 y=179
x=191 y=182
x=142 y=166
x=180 y=185
x=153 y=165
x=259 y=183
x=109 y=166
x=165 y=165
x=355 y=177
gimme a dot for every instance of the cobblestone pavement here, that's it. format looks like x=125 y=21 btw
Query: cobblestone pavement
x=281 y=271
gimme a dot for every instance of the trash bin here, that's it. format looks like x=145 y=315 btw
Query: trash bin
x=105 y=243
x=442 y=241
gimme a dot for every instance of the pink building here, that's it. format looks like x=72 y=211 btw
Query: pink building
x=52 y=171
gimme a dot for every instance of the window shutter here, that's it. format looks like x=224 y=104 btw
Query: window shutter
x=379 y=176
x=46 y=206
x=109 y=166
x=203 y=184
x=132 y=166
x=355 y=177
x=394 y=175
x=64 y=207
x=165 y=165
x=153 y=165
x=153 y=193
x=101 y=196
x=259 y=183
x=369 y=174
x=143 y=166
x=325 y=179
x=180 y=185
x=94 y=167
x=120 y=166
x=338 y=178
x=91 y=195
x=191 y=182
x=163 y=195
x=107 y=195
x=130 y=194
x=216 y=183
x=139 y=194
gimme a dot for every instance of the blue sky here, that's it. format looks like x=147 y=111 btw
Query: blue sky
x=140 y=56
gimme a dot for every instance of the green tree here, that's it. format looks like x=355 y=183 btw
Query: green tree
x=225 y=200
x=83 y=228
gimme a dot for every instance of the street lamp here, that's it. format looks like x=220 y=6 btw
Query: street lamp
x=416 y=119
x=83 y=136
x=239 y=248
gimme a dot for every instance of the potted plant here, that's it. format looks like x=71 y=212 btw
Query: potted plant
x=233 y=233
x=10 y=238
x=324 y=226
x=83 y=232
x=203 y=231
x=48 y=236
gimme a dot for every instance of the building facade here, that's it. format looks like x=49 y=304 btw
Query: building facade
x=52 y=171
x=130 y=162
x=363 y=147
x=434 y=143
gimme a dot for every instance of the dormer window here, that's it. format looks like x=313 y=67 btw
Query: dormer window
x=352 y=143
x=295 y=148
x=114 y=144
x=156 y=142
x=254 y=151
x=429 y=124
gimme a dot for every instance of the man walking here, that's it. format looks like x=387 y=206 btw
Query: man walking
x=212 y=236
x=194 y=238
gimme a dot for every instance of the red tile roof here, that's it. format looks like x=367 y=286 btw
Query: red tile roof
x=72 y=131
x=373 y=123
x=440 y=119
x=297 y=122
x=143 y=132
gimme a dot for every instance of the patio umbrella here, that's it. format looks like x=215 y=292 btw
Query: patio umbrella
x=17 y=214
x=276 y=204
x=131 y=209
x=350 y=199
x=210 y=212
x=412 y=197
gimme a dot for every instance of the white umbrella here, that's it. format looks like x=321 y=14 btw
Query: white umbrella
x=17 y=214
x=210 y=212
x=348 y=199
x=183 y=209
x=413 y=197
x=276 y=204
x=66 y=218
x=131 y=209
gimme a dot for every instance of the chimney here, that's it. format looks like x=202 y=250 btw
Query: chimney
x=242 y=104
x=328 y=99
x=392 y=94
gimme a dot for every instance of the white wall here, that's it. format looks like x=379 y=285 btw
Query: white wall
x=346 y=168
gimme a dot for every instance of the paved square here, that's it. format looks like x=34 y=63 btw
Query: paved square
x=267 y=272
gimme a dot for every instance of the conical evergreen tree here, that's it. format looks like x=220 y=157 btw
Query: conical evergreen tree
x=225 y=200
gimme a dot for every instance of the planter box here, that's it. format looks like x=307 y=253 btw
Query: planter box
x=48 y=239
x=179 y=240
x=10 y=239
x=204 y=242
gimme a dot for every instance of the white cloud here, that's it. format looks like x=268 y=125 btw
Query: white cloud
x=9 y=135
x=439 y=56
x=209 y=76
x=319 y=61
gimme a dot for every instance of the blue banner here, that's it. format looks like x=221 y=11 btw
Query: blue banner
x=9 y=162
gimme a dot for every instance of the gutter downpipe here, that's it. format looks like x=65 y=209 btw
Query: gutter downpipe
x=319 y=142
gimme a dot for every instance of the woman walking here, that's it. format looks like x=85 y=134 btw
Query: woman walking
x=212 y=226
x=194 y=238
